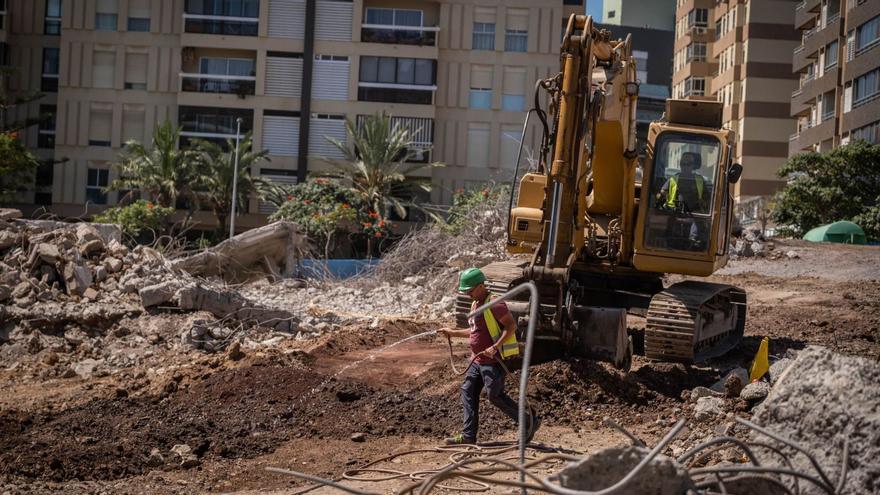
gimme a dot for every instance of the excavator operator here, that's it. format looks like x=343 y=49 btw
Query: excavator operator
x=687 y=192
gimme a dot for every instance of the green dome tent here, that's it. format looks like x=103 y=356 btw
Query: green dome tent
x=842 y=232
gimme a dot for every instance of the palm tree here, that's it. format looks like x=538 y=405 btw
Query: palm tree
x=217 y=167
x=167 y=174
x=376 y=164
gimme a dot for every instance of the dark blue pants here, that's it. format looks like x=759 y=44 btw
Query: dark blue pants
x=490 y=377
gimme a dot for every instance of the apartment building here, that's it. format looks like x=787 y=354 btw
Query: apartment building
x=646 y=14
x=457 y=73
x=838 y=65
x=736 y=52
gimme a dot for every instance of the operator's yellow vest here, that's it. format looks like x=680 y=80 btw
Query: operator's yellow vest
x=509 y=347
x=673 y=189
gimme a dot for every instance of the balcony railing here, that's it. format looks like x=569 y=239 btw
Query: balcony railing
x=399 y=35
x=396 y=93
x=221 y=24
x=215 y=83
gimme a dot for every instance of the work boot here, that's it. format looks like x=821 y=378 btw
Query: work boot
x=534 y=422
x=460 y=439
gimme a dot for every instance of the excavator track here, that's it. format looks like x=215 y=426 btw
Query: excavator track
x=500 y=277
x=693 y=321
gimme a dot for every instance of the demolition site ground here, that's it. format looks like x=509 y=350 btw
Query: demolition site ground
x=330 y=402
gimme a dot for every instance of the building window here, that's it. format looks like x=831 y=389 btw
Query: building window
x=397 y=80
x=484 y=36
x=136 y=70
x=831 y=54
x=513 y=98
x=866 y=87
x=828 y=105
x=206 y=17
x=105 y=15
x=212 y=123
x=696 y=52
x=718 y=27
x=133 y=123
x=869 y=133
x=694 y=86
x=98 y=179
x=139 y=15
x=103 y=69
x=611 y=14
x=228 y=72
x=698 y=18
x=3 y=15
x=481 y=87
x=478 y=145
x=394 y=17
x=397 y=26
x=49 y=81
x=868 y=35
x=52 y=23
x=46 y=129
x=516 y=37
x=100 y=126
x=510 y=136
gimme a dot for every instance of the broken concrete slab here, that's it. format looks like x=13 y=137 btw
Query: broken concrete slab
x=708 y=408
x=820 y=400
x=661 y=476
x=247 y=255
x=154 y=295
x=92 y=247
x=9 y=214
x=231 y=304
x=77 y=278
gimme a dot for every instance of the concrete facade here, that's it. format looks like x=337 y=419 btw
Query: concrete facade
x=838 y=66
x=458 y=73
x=647 y=14
x=736 y=52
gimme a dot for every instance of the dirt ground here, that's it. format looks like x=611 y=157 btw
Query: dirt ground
x=297 y=405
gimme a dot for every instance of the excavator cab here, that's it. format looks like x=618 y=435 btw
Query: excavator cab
x=686 y=205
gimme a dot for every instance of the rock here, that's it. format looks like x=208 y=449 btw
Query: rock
x=9 y=214
x=700 y=392
x=86 y=233
x=100 y=273
x=8 y=239
x=5 y=292
x=185 y=455
x=92 y=247
x=90 y=294
x=77 y=278
x=755 y=391
x=778 y=368
x=86 y=368
x=358 y=437
x=792 y=255
x=113 y=265
x=21 y=290
x=116 y=248
x=159 y=293
x=708 y=408
x=661 y=476
x=234 y=352
x=155 y=458
x=758 y=248
x=732 y=382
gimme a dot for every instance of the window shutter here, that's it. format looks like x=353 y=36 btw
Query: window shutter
x=284 y=76
x=100 y=123
x=518 y=19
x=281 y=135
x=478 y=145
x=850 y=45
x=139 y=9
x=136 y=68
x=107 y=6
x=514 y=81
x=481 y=76
x=287 y=19
x=847 y=98
x=133 y=124
x=484 y=15
x=330 y=80
x=103 y=69
x=333 y=20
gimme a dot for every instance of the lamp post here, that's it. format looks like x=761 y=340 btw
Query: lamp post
x=235 y=180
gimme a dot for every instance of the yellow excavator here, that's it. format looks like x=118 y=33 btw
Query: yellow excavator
x=597 y=227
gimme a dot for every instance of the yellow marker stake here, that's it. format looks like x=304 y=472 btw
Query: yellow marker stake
x=761 y=364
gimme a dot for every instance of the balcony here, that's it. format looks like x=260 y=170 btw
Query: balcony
x=803 y=17
x=212 y=83
x=421 y=132
x=399 y=35
x=221 y=24
x=212 y=124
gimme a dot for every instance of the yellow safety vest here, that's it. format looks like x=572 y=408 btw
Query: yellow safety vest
x=673 y=189
x=509 y=347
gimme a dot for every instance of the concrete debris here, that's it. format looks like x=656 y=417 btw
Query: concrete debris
x=251 y=254
x=699 y=392
x=662 y=476
x=755 y=391
x=732 y=382
x=777 y=368
x=708 y=408
x=185 y=456
x=820 y=400
x=9 y=214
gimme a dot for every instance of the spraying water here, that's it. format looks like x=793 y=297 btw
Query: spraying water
x=371 y=357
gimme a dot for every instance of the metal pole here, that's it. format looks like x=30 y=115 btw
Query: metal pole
x=235 y=180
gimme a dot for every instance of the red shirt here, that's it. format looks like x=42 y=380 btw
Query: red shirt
x=480 y=338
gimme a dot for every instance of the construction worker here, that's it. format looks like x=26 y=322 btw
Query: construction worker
x=492 y=336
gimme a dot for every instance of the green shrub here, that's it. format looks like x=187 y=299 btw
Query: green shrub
x=138 y=218
x=464 y=201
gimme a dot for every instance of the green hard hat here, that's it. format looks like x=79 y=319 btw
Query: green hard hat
x=469 y=279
